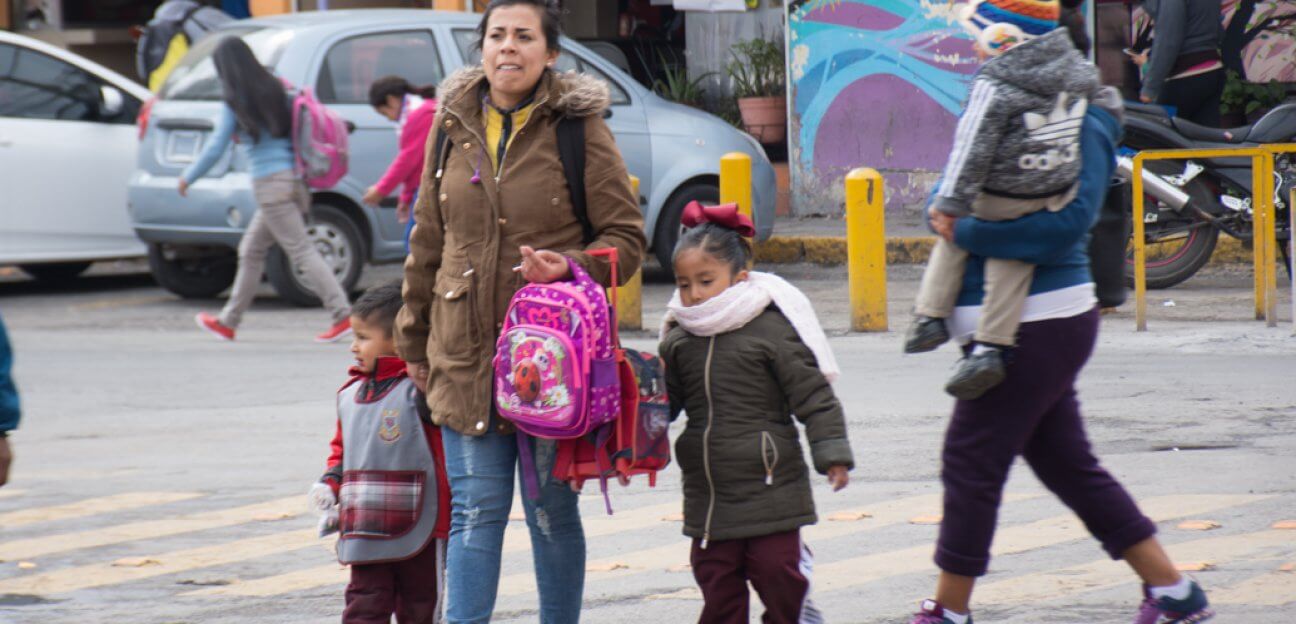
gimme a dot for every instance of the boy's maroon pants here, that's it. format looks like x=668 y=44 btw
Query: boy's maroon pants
x=407 y=588
x=778 y=567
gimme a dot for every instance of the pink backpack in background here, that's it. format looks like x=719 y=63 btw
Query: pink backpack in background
x=319 y=140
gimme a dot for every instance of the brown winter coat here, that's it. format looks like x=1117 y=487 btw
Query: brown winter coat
x=740 y=455
x=459 y=275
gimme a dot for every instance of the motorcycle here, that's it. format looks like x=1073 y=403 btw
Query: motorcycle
x=1188 y=203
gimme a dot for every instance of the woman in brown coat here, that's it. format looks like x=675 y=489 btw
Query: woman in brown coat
x=497 y=214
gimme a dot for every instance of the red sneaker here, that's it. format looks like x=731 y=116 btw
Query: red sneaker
x=339 y=330
x=213 y=325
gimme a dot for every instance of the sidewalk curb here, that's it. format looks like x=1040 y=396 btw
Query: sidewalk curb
x=831 y=250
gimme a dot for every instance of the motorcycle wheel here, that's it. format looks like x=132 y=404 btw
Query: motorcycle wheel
x=1178 y=244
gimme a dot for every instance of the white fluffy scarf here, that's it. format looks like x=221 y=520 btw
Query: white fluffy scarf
x=741 y=303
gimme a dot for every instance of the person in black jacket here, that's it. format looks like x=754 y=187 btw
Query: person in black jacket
x=1183 y=68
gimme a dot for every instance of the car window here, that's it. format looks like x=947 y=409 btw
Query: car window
x=354 y=64
x=466 y=40
x=194 y=78
x=34 y=85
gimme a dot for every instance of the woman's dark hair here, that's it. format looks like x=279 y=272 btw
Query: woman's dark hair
x=389 y=86
x=719 y=242
x=550 y=20
x=1071 y=19
x=257 y=98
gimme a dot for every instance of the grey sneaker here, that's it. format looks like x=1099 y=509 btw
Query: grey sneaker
x=976 y=374
x=925 y=334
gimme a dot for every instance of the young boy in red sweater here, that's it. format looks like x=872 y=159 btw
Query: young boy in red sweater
x=385 y=489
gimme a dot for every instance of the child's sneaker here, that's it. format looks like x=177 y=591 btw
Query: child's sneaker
x=1167 y=610
x=933 y=613
x=925 y=334
x=976 y=374
x=338 y=331
x=213 y=325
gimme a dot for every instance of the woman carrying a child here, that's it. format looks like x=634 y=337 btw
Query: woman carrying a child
x=493 y=214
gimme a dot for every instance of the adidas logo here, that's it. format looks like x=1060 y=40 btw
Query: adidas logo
x=1061 y=125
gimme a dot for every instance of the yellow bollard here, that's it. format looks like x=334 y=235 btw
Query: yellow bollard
x=1140 y=248
x=866 y=250
x=1291 y=254
x=735 y=181
x=1259 y=175
x=630 y=296
x=1271 y=243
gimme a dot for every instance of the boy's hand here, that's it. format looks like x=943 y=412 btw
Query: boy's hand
x=838 y=477
x=418 y=373
x=321 y=497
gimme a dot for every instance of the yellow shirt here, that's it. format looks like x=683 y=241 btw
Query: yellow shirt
x=495 y=128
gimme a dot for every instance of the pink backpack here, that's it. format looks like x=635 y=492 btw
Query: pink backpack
x=555 y=363
x=319 y=140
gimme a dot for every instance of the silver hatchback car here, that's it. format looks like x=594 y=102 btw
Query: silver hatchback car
x=674 y=150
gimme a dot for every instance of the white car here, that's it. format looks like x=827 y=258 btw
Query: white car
x=68 y=144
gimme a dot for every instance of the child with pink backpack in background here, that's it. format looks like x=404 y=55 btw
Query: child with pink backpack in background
x=414 y=110
x=746 y=358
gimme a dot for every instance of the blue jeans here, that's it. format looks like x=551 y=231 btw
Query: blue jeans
x=409 y=225
x=481 y=470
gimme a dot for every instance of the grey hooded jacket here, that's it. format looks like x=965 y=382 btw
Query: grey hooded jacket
x=1019 y=135
x=1181 y=27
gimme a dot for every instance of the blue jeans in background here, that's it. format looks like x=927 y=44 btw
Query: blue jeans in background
x=409 y=225
x=481 y=471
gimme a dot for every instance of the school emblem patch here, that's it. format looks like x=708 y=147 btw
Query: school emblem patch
x=389 y=426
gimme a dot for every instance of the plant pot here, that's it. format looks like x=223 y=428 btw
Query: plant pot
x=765 y=118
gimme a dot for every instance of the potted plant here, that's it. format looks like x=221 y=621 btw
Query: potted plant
x=1242 y=102
x=756 y=72
x=678 y=88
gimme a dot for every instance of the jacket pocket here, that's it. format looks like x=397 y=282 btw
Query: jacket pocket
x=452 y=320
x=380 y=504
x=769 y=456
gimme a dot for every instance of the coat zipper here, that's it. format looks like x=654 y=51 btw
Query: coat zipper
x=706 y=444
x=765 y=459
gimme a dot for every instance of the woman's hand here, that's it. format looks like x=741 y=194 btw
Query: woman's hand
x=183 y=188
x=1139 y=59
x=418 y=373
x=942 y=223
x=371 y=196
x=543 y=266
x=838 y=477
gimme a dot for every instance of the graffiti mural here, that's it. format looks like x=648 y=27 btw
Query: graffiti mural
x=876 y=83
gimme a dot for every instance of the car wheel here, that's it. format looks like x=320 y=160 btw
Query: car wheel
x=338 y=240
x=668 y=224
x=191 y=273
x=56 y=272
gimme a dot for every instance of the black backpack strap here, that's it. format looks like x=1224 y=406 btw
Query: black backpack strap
x=571 y=150
x=438 y=155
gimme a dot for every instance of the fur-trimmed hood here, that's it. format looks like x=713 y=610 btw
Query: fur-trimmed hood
x=570 y=94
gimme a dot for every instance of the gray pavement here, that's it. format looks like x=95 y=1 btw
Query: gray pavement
x=161 y=475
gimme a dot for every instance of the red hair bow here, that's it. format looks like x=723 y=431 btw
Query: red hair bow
x=727 y=215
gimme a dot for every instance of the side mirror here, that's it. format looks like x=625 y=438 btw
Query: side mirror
x=111 y=101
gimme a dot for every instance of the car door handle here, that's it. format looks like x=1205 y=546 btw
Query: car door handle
x=607 y=113
x=351 y=127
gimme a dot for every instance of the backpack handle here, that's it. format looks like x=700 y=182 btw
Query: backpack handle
x=611 y=254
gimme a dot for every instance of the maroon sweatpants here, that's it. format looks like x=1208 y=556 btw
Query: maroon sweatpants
x=407 y=588
x=777 y=566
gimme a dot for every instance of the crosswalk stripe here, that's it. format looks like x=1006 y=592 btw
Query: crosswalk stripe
x=516 y=539
x=147 y=529
x=91 y=507
x=1272 y=589
x=101 y=574
x=881 y=514
x=11 y=492
x=1104 y=573
x=857 y=571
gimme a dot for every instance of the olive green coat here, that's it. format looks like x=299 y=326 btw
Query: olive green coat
x=740 y=454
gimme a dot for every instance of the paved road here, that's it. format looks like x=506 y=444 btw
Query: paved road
x=161 y=474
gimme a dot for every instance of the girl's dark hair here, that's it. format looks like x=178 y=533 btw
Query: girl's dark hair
x=396 y=86
x=258 y=99
x=550 y=20
x=719 y=242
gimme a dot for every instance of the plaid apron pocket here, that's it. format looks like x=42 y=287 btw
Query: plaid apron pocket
x=380 y=504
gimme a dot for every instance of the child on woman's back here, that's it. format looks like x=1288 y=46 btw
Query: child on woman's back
x=744 y=353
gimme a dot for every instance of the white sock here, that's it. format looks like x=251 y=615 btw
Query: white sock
x=1178 y=591
x=957 y=618
x=980 y=348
